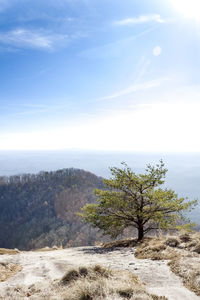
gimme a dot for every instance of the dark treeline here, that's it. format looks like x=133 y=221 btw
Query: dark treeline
x=38 y=210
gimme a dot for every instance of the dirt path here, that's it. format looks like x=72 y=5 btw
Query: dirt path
x=40 y=266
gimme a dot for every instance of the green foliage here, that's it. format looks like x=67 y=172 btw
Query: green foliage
x=137 y=201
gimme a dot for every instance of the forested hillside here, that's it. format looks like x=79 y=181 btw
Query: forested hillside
x=38 y=210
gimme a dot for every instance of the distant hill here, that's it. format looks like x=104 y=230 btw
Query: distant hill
x=183 y=176
x=38 y=210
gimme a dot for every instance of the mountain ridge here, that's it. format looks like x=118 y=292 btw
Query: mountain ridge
x=38 y=210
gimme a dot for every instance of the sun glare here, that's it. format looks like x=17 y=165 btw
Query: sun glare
x=188 y=8
x=146 y=127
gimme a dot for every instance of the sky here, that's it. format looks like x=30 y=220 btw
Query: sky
x=100 y=75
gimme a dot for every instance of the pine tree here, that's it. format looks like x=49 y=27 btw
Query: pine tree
x=137 y=201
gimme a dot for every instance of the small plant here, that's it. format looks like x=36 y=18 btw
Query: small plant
x=126 y=293
x=192 y=244
x=121 y=243
x=71 y=275
x=185 y=238
x=83 y=271
x=85 y=297
x=101 y=271
x=91 y=272
x=172 y=242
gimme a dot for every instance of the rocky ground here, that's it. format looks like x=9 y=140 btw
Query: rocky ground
x=41 y=269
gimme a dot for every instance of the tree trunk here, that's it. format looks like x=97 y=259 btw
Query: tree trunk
x=140 y=232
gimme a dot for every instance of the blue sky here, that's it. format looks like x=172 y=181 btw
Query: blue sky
x=100 y=75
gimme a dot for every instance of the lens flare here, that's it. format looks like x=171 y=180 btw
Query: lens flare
x=188 y=8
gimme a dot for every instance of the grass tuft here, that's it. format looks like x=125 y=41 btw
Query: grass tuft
x=83 y=271
x=7 y=270
x=98 y=283
x=71 y=275
x=172 y=242
x=154 y=249
x=185 y=238
x=120 y=243
x=8 y=251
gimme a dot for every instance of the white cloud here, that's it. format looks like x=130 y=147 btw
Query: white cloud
x=23 y=38
x=140 y=20
x=133 y=88
x=157 y=51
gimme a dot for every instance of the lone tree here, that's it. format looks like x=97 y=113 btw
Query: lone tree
x=137 y=201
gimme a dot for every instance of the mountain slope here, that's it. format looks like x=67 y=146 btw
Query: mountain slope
x=39 y=210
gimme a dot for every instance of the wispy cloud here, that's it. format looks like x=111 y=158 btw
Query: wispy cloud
x=114 y=49
x=140 y=20
x=23 y=38
x=133 y=88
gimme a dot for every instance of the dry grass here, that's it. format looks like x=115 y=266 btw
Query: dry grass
x=100 y=283
x=188 y=268
x=182 y=251
x=85 y=283
x=120 y=243
x=82 y=272
x=8 y=251
x=7 y=270
x=154 y=249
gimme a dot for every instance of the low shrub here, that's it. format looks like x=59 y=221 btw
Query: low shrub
x=192 y=244
x=91 y=273
x=185 y=238
x=120 y=243
x=71 y=275
x=83 y=271
x=172 y=242
x=99 y=270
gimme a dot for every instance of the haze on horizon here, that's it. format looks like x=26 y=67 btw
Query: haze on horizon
x=100 y=75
